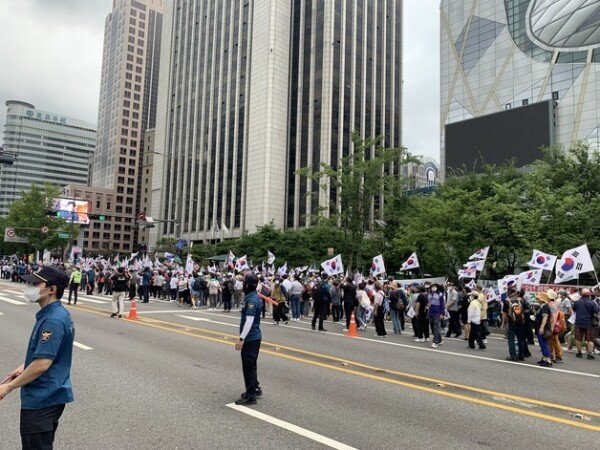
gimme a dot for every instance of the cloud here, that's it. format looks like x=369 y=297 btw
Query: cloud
x=53 y=55
x=421 y=108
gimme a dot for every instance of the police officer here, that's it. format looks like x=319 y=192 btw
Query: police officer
x=249 y=342
x=74 y=283
x=45 y=378
x=120 y=282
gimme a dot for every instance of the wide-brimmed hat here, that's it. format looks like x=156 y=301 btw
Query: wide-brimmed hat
x=542 y=297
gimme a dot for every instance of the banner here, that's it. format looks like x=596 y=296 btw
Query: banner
x=405 y=284
x=377 y=266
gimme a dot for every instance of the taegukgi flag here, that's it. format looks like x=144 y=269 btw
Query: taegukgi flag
x=573 y=262
x=270 y=257
x=242 y=264
x=377 y=266
x=411 y=263
x=475 y=265
x=467 y=273
x=507 y=282
x=480 y=253
x=333 y=266
x=541 y=260
x=531 y=277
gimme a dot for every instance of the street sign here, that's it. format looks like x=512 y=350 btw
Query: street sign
x=64 y=235
x=45 y=230
x=10 y=235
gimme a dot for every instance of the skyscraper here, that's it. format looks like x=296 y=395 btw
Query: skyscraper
x=128 y=93
x=517 y=74
x=49 y=148
x=252 y=90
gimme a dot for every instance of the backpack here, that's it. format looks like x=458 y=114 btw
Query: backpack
x=385 y=305
x=394 y=300
x=515 y=311
x=197 y=285
x=317 y=292
x=559 y=324
x=213 y=289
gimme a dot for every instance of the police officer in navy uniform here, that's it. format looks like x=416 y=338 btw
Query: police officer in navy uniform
x=45 y=378
x=249 y=341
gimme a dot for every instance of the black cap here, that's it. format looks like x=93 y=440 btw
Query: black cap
x=250 y=281
x=51 y=275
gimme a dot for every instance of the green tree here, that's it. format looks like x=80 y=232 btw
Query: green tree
x=363 y=181
x=28 y=215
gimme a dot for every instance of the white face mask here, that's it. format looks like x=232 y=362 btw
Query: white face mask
x=31 y=293
x=434 y=289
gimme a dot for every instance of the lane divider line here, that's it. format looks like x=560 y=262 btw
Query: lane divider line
x=81 y=346
x=291 y=427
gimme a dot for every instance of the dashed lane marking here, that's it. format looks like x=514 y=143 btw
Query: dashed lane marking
x=81 y=346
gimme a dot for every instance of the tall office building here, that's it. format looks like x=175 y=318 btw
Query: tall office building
x=128 y=93
x=49 y=148
x=517 y=75
x=252 y=90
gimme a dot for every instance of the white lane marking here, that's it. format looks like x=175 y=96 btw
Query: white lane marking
x=1 y=313
x=11 y=301
x=80 y=345
x=203 y=319
x=91 y=300
x=165 y=311
x=14 y=292
x=464 y=355
x=291 y=427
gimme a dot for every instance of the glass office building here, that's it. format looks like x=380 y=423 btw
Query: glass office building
x=252 y=90
x=506 y=55
x=49 y=148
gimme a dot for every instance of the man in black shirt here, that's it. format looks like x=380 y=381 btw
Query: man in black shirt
x=349 y=289
x=120 y=281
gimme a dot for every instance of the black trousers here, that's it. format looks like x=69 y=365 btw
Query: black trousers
x=73 y=288
x=454 y=325
x=348 y=309
x=38 y=427
x=379 y=323
x=423 y=331
x=336 y=311
x=475 y=335
x=249 y=357
x=320 y=313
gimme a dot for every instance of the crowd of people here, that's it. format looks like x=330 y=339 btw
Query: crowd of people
x=434 y=310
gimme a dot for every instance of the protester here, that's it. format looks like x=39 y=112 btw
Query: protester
x=586 y=320
x=474 y=318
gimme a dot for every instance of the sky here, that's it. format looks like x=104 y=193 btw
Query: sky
x=51 y=53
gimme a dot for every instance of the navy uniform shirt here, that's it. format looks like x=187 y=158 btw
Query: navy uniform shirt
x=52 y=338
x=252 y=307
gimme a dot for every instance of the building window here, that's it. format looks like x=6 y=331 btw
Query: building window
x=525 y=102
x=555 y=95
x=508 y=106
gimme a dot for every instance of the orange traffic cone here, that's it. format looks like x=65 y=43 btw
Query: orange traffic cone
x=133 y=311
x=352 y=331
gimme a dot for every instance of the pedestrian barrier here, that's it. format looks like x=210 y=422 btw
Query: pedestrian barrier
x=133 y=311
x=352 y=331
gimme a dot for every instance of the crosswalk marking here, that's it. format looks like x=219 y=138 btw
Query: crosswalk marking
x=11 y=301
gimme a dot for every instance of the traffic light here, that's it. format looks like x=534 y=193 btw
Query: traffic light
x=98 y=217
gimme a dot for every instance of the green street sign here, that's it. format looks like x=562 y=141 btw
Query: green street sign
x=64 y=235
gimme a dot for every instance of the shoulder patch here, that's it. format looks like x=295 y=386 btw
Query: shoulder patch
x=46 y=336
x=251 y=305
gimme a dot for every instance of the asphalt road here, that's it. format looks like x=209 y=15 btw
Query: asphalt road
x=166 y=380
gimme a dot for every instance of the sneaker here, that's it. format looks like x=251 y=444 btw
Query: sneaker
x=246 y=401
x=419 y=340
x=590 y=356
x=510 y=358
x=120 y=316
x=485 y=341
x=322 y=329
x=558 y=361
x=545 y=363
x=579 y=355
x=434 y=345
x=113 y=315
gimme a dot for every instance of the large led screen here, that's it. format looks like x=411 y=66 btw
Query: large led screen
x=515 y=134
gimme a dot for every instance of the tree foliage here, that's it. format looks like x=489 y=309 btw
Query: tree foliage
x=28 y=215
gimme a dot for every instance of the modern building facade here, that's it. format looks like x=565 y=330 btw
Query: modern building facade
x=423 y=175
x=252 y=90
x=110 y=235
x=49 y=148
x=507 y=55
x=128 y=95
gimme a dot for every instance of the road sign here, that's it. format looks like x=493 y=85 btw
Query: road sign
x=64 y=235
x=10 y=235
x=45 y=230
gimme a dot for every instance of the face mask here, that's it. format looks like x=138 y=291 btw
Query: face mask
x=31 y=293
x=277 y=282
x=434 y=289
